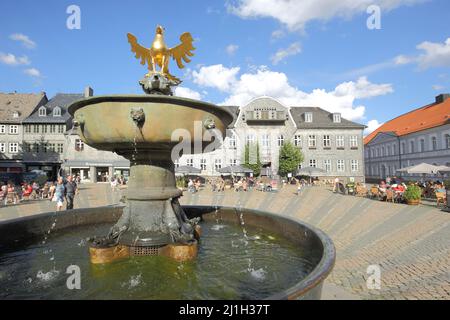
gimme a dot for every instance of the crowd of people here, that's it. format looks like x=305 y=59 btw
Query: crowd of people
x=61 y=191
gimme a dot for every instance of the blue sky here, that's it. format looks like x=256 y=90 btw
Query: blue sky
x=326 y=54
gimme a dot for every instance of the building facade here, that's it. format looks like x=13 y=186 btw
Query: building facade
x=326 y=140
x=14 y=108
x=45 y=135
x=422 y=135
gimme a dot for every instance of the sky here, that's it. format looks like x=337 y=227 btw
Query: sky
x=370 y=60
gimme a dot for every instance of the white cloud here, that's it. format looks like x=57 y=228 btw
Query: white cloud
x=372 y=125
x=33 y=72
x=231 y=49
x=216 y=76
x=434 y=55
x=263 y=81
x=25 y=40
x=12 y=60
x=277 y=34
x=295 y=14
x=438 y=87
x=187 y=93
x=282 y=54
x=362 y=88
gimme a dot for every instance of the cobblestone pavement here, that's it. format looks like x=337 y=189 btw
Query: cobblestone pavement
x=410 y=244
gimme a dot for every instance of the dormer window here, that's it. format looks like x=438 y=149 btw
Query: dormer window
x=308 y=117
x=42 y=112
x=16 y=114
x=336 y=117
x=57 y=112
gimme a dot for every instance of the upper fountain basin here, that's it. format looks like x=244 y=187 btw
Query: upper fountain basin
x=115 y=122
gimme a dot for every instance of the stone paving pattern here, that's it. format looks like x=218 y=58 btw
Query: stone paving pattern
x=411 y=244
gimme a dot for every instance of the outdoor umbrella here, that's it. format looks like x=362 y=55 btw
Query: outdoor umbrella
x=235 y=170
x=423 y=168
x=187 y=170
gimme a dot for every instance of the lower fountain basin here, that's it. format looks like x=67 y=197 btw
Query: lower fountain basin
x=298 y=256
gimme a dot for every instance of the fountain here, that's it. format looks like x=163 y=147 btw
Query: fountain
x=152 y=222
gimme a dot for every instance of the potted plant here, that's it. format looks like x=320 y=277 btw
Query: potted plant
x=413 y=194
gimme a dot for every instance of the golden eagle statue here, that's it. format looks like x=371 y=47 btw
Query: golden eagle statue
x=159 y=54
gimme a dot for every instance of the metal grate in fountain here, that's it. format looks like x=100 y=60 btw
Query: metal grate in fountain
x=145 y=251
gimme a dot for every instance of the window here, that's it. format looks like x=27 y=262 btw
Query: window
x=190 y=162
x=203 y=164
x=13 y=148
x=422 y=145
x=176 y=163
x=388 y=151
x=35 y=128
x=2 y=147
x=382 y=151
x=15 y=114
x=336 y=117
x=327 y=165
x=340 y=166
x=312 y=141
x=44 y=128
x=353 y=142
x=14 y=129
x=326 y=141
x=250 y=139
x=298 y=141
x=42 y=112
x=265 y=140
x=35 y=148
x=232 y=141
x=232 y=162
x=27 y=128
x=433 y=143
x=2 y=129
x=411 y=146
x=57 y=112
x=243 y=116
x=373 y=153
x=308 y=117
x=313 y=163
x=280 y=140
x=61 y=128
x=79 y=145
x=340 y=142
x=53 y=128
x=354 y=165
x=60 y=148
x=44 y=147
x=447 y=141
x=403 y=148
x=218 y=164
x=394 y=148
x=51 y=147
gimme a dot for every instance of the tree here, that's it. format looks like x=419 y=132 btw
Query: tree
x=252 y=159
x=290 y=158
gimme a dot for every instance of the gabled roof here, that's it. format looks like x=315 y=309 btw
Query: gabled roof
x=321 y=119
x=22 y=103
x=429 y=116
x=61 y=100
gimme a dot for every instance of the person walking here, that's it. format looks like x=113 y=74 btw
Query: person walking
x=70 y=191
x=59 y=194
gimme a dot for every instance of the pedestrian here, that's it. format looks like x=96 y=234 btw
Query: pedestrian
x=70 y=192
x=59 y=194
x=336 y=185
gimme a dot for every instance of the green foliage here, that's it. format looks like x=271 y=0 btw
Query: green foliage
x=252 y=161
x=290 y=158
x=413 y=192
x=447 y=184
x=181 y=182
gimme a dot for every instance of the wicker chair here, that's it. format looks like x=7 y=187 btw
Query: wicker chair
x=390 y=196
x=374 y=192
x=441 y=197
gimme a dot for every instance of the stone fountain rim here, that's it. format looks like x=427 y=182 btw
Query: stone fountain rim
x=184 y=102
x=313 y=279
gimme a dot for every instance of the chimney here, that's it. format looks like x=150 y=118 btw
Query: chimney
x=442 y=97
x=88 y=92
